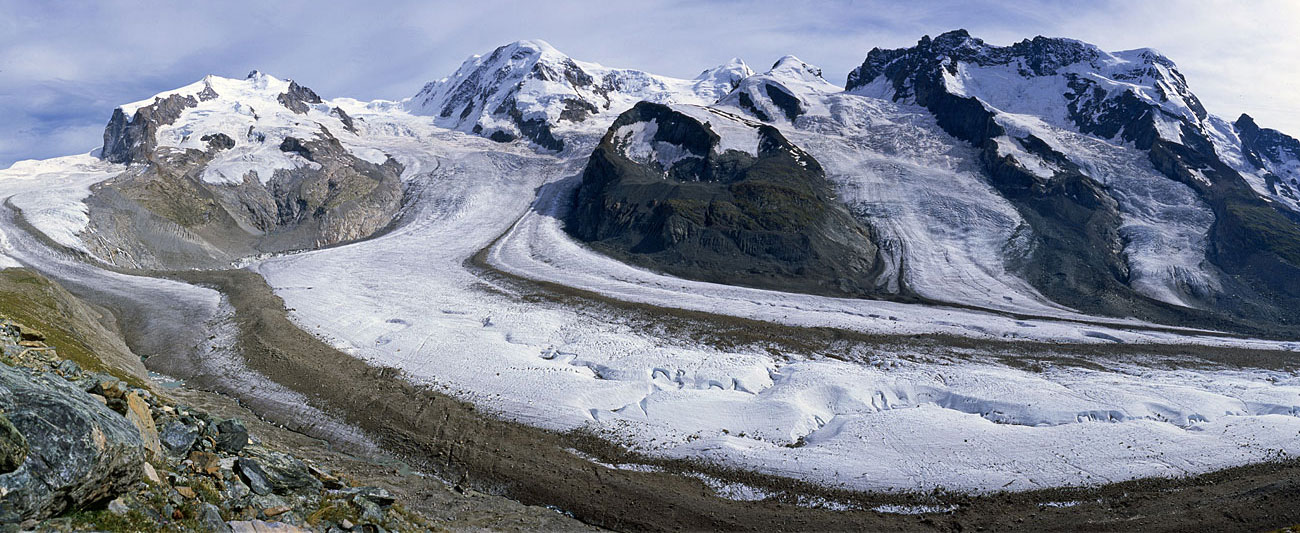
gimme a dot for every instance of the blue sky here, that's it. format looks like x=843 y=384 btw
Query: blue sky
x=64 y=66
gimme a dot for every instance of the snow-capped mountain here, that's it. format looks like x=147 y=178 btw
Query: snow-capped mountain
x=530 y=90
x=777 y=95
x=1048 y=173
x=225 y=168
x=1067 y=132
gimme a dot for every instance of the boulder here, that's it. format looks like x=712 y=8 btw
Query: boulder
x=210 y=519
x=137 y=412
x=284 y=473
x=253 y=475
x=80 y=452
x=178 y=438
x=232 y=436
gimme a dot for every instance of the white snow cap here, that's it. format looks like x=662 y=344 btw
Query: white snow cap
x=793 y=65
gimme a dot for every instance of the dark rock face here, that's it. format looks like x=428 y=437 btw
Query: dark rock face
x=80 y=451
x=345 y=119
x=218 y=141
x=769 y=221
x=786 y=101
x=1273 y=151
x=297 y=98
x=133 y=140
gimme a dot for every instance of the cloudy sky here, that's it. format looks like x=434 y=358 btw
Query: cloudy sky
x=65 y=66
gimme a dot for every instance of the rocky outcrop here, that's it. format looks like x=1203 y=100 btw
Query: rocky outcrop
x=297 y=98
x=764 y=219
x=1275 y=153
x=72 y=440
x=134 y=140
x=81 y=452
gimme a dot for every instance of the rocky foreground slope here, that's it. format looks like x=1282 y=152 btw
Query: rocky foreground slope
x=81 y=449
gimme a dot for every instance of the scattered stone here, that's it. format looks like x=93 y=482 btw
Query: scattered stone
x=186 y=492
x=258 y=526
x=99 y=399
x=68 y=369
x=178 y=438
x=370 y=511
x=205 y=463
x=346 y=524
x=118 y=507
x=330 y=481
x=151 y=474
x=378 y=495
x=253 y=475
x=137 y=412
x=232 y=436
x=13 y=446
x=108 y=387
x=210 y=519
x=276 y=511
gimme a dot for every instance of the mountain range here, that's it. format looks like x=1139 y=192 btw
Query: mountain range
x=1047 y=174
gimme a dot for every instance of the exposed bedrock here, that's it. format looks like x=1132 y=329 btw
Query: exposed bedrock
x=764 y=219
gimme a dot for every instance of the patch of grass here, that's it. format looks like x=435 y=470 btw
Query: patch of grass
x=32 y=300
x=1268 y=229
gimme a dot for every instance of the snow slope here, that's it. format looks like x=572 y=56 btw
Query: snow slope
x=249 y=113
x=50 y=194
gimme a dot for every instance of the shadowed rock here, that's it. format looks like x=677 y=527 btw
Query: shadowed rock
x=768 y=221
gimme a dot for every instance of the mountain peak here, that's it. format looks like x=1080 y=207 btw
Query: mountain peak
x=733 y=68
x=792 y=65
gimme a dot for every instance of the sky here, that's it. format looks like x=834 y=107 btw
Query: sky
x=64 y=66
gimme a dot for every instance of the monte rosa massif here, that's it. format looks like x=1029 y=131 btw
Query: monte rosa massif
x=969 y=267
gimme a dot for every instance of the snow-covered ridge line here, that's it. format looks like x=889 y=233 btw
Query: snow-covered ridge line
x=530 y=90
x=248 y=120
